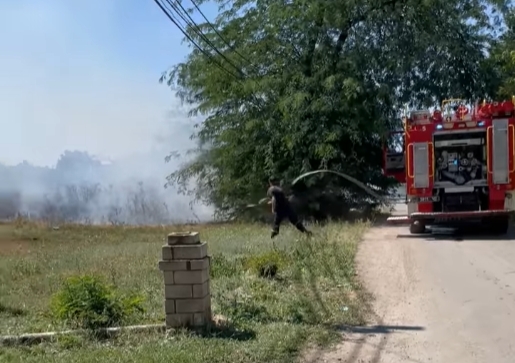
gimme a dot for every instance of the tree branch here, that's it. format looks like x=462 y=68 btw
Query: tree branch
x=308 y=60
x=344 y=34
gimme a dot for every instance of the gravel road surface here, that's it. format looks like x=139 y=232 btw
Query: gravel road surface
x=438 y=299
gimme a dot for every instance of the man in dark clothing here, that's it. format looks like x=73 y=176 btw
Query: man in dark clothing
x=282 y=209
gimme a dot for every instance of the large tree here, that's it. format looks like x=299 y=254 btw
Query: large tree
x=503 y=60
x=292 y=86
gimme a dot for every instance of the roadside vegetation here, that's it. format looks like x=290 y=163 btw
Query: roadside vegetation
x=270 y=299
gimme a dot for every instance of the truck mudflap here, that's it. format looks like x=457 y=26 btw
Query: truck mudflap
x=445 y=217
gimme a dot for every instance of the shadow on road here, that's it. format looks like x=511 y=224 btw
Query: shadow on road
x=469 y=233
x=379 y=329
x=361 y=336
x=366 y=338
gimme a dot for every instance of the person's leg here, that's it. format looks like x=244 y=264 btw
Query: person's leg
x=294 y=219
x=277 y=223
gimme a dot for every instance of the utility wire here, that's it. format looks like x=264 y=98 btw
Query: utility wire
x=220 y=35
x=173 y=9
x=189 y=23
x=175 y=5
x=209 y=56
x=170 y=15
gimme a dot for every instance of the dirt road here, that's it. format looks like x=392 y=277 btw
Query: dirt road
x=437 y=299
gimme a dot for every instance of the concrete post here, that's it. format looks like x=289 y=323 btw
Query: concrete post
x=185 y=266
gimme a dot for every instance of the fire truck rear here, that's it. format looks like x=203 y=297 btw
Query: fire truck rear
x=457 y=164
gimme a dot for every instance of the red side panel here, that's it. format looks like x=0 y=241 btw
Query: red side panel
x=498 y=191
x=419 y=134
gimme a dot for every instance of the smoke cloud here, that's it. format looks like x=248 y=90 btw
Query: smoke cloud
x=84 y=188
x=84 y=128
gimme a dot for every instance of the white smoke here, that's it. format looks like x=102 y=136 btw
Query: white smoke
x=83 y=76
x=84 y=188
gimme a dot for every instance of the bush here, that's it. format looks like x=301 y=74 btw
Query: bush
x=87 y=302
x=268 y=264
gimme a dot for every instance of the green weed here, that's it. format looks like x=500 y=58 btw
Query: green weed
x=274 y=298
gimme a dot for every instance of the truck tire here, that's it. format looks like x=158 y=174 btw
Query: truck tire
x=417 y=227
x=500 y=225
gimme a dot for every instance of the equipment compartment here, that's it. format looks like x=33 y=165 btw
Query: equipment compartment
x=460 y=158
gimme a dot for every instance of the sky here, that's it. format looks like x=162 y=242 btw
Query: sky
x=83 y=75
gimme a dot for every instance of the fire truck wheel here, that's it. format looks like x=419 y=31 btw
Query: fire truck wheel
x=417 y=227
x=500 y=225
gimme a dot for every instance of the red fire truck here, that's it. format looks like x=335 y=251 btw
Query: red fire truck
x=458 y=165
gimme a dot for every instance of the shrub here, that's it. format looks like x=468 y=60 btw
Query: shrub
x=88 y=302
x=268 y=264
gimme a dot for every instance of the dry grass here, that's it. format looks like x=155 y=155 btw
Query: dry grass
x=273 y=319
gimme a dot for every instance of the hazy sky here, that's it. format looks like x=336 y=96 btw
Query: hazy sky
x=83 y=75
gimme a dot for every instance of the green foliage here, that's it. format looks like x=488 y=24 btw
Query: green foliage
x=268 y=264
x=244 y=308
x=278 y=316
x=319 y=83
x=503 y=60
x=221 y=266
x=87 y=302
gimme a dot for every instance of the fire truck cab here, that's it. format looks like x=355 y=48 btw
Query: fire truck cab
x=458 y=165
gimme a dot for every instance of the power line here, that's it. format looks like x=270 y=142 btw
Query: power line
x=220 y=35
x=189 y=23
x=209 y=56
x=198 y=31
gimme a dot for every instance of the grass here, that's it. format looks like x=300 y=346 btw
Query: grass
x=270 y=319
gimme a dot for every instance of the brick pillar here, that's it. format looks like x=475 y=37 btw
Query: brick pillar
x=185 y=266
